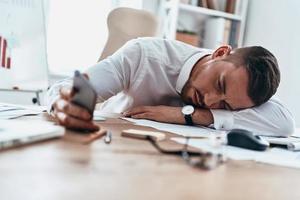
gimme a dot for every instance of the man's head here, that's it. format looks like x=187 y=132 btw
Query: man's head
x=238 y=79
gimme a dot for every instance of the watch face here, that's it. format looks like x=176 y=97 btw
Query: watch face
x=188 y=110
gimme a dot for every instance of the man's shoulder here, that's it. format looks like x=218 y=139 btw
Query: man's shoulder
x=169 y=45
x=163 y=41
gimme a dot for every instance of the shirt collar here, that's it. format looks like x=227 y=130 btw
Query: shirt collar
x=185 y=71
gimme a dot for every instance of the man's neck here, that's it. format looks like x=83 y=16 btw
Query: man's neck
x=200 y=63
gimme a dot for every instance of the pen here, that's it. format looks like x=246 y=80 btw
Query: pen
x=108 y=137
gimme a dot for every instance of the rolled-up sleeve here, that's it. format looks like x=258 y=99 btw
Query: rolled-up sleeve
x=271 y=118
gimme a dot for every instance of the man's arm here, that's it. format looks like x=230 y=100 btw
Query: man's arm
x=170 y=114
x=108 y=77
x=271 y=118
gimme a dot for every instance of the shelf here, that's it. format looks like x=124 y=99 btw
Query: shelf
x=209 y=12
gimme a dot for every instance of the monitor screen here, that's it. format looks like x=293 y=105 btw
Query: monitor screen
x=23 y=56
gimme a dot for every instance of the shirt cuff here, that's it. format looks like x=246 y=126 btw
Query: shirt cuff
x=223 y=119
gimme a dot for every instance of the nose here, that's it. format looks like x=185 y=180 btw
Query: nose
x=212 y=100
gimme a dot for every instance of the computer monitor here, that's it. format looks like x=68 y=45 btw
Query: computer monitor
x=23 y=54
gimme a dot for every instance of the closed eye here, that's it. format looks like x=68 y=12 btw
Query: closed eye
x=222 y=90
x=219 y=86
x=227 y=106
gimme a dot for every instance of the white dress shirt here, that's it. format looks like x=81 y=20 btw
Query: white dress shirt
x=153 y=71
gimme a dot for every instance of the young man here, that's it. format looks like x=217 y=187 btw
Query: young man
x=152 y=78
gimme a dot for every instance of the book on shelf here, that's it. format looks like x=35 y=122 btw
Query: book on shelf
x=230 y=6
x=202 y=3
x=212 y=4
x=220 y=5
x=220 y=31
x=238 y=7
x=233 y=6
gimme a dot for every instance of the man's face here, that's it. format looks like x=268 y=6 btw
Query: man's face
x=218 y=84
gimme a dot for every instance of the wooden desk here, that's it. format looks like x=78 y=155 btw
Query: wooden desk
x=132 y=169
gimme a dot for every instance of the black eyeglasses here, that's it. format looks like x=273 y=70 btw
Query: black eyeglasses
x=203 y=160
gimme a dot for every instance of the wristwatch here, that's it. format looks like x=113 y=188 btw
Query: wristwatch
x=187 y=111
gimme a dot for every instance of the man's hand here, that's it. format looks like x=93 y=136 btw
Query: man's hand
x=157 y=113
x=170 y=114
x=70 y=115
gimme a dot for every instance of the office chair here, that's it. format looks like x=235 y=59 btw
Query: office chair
x=125 y=24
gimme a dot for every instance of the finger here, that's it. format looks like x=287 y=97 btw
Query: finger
x=74 y=123
x=66 y=93
x=135 y=111
x=62 y=105
x=143 y=116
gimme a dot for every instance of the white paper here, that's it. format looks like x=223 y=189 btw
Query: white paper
x=17 y=113
x=101 y=116
x=274 y=156
x=281 y=157
x=18 y=106
x=187 y=131
x=10 y=111
x=296 y=133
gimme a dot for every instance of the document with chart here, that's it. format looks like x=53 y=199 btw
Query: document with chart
x=23 y=61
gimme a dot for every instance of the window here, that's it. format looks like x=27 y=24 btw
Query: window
x=77 y=32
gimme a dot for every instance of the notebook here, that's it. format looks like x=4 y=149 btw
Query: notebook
x=19 y=132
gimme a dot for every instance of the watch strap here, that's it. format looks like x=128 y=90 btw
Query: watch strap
x=188 y=120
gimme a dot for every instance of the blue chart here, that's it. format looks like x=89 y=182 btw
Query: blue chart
x=23 y=57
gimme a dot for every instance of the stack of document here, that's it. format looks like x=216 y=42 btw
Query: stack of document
x=11 y=111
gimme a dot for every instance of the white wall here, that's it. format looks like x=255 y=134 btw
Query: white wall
x=274 y=24
x=77 y=33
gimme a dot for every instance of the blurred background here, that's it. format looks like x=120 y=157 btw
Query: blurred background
x=76 y=33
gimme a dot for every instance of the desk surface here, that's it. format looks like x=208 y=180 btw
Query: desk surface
x=131 y=169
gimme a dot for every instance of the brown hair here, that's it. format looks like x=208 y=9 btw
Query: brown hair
x=263 y=71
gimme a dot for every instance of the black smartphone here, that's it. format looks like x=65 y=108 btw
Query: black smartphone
x=84 y=93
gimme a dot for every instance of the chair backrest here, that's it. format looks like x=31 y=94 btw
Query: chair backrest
x=125 y=24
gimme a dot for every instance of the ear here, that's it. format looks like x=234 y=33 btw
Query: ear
x=222 y=51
